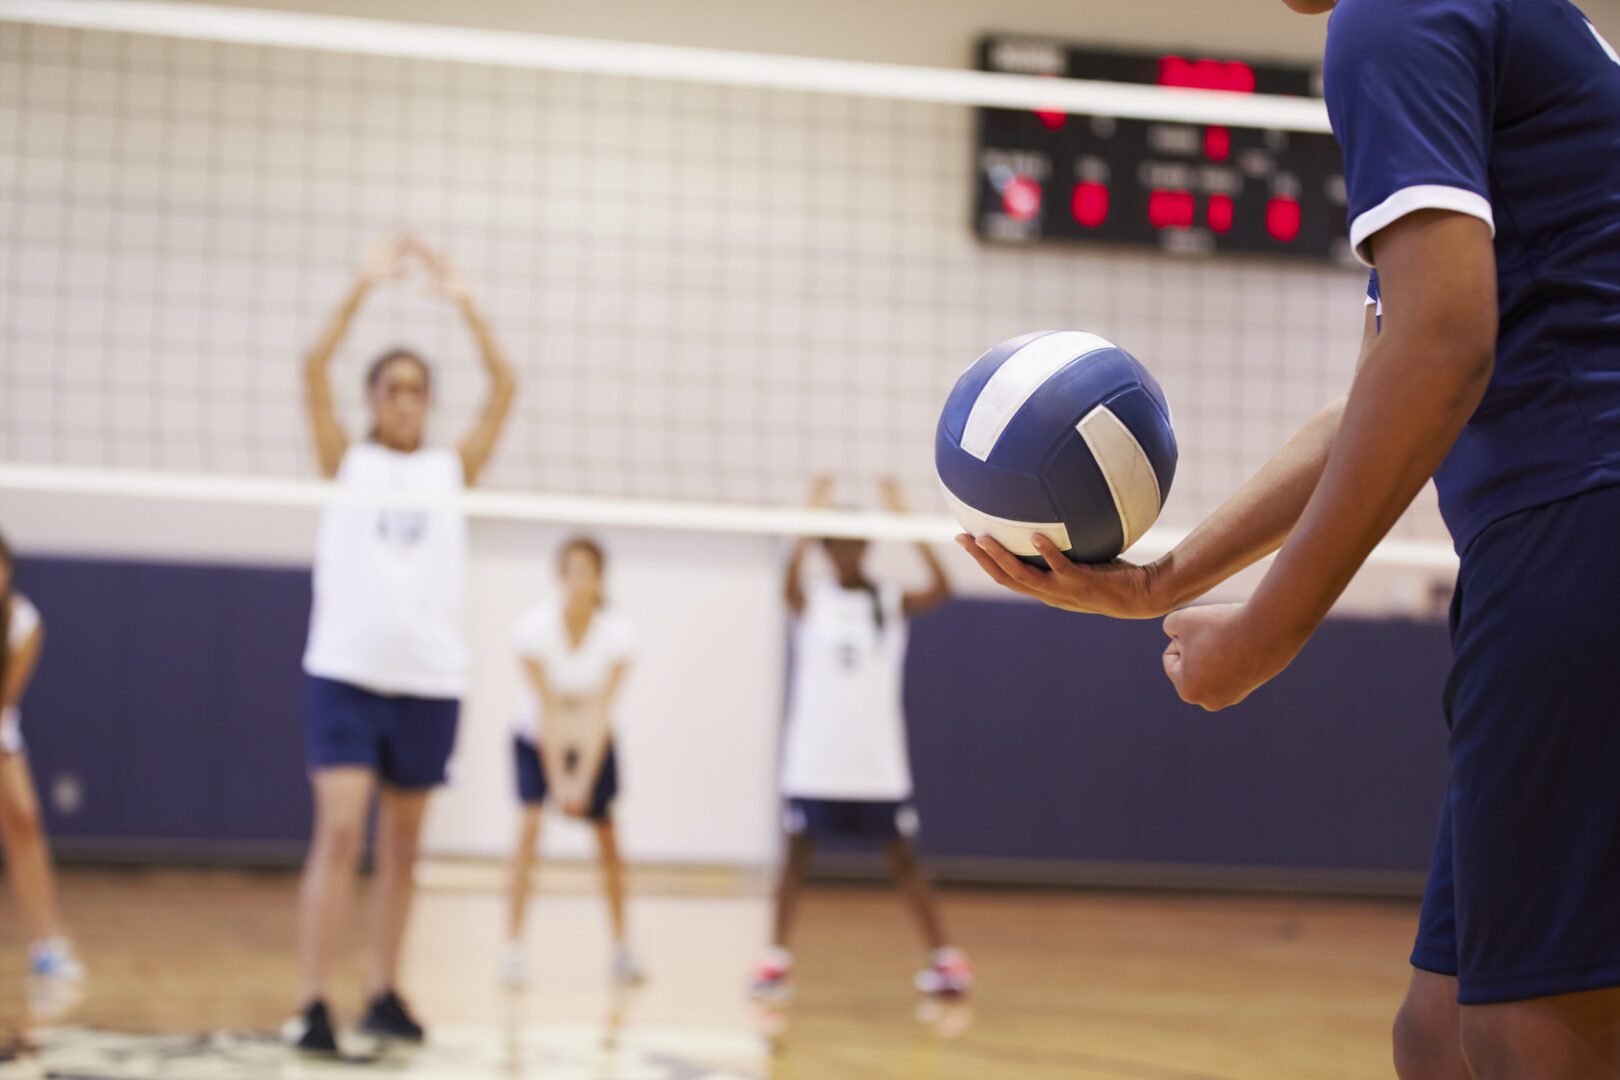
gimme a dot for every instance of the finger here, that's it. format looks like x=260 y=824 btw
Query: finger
x=1020 y=571
x=1060 y=563
x=988 y=565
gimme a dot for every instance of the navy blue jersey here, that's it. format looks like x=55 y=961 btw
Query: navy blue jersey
x=1509 y=111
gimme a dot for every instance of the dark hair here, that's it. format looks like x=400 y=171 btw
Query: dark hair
x=9 y=562
x=588 y=546
x=374 y=372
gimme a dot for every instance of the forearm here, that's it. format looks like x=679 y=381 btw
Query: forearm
x=1255 y=521
x=1410 y=401
x=336 y=328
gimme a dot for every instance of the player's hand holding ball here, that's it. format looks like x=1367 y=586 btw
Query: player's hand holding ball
x=1056 y=454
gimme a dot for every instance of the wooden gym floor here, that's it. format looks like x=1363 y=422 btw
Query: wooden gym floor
x=1091 y=986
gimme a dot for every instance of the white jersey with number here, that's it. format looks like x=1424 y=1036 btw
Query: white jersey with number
x=390 y=582
x=573 y=672
x=846 y=730
x=24 y=624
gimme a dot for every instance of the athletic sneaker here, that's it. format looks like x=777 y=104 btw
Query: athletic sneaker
x=626 y=972
x=53 y=959
x=388 y=1018
x=948 y=973
x=310 y=1032
x=514 y=969
x=773 y=979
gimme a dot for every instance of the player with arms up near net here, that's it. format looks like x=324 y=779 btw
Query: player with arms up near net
x=845 y=770
x=387 y=659
x=575 y=654
x=1482 y=155
x=28 y=853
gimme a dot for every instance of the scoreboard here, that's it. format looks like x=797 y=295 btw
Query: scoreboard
x=1046 y=176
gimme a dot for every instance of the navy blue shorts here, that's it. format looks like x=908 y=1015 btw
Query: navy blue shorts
x=531 y=778
x=849 y=819
x=1523 y=898
x=406 y=741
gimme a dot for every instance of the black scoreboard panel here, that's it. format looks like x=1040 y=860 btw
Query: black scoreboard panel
x=1048 y=176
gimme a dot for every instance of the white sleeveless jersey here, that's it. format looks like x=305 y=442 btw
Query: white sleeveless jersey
x=390 y=583
x=846 y=730
x=24 y=623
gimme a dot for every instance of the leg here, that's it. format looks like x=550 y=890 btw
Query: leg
x=342 y=795
x=1428 y=1037
x=399 y=834
x=799 y=850
x=522 y=868
x=28 y=853
x=1569 y=1037
x=612 y=876
x=914 y=887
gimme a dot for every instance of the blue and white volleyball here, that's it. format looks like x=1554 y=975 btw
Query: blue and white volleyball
x=1060 y=433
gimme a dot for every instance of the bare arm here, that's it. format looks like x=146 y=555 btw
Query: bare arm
x=20 y=665
x=479 y=443
x=939 y=586
x=596 y=729
x=1416 y=390
x=384 y=262
x=1244 y=529
x=793 y=585
x=536 y=673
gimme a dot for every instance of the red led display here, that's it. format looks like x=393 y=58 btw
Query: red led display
x=1170 y=209
x=1217 y=143
x=1220 y=213
x=1090 y=203
x=1021 y=199
x=1282 y=220
x=1233 y=76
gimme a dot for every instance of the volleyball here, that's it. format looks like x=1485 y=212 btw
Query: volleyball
x=1061 y=433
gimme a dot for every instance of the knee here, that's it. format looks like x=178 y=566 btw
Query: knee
x=338 y=842
x=20 y=821
x=1425 y=1045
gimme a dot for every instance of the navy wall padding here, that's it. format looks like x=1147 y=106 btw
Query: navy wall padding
x=174 y=696
x=1038 y=734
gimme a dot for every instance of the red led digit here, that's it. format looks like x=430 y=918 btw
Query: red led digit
x=1170 y=209
x=1217 y=143
x=1090 y=203
x=1021 y=198
x=1220 y=213
x=1282 y=220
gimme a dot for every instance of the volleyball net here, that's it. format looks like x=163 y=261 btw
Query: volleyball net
x=716 y=274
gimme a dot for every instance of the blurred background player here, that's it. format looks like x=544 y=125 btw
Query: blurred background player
x=28 y=853
x=387 y=660
x=846 y=773
x=575 y=652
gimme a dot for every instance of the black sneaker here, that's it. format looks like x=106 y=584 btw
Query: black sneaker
x=310 y=1032
x=388 y=1018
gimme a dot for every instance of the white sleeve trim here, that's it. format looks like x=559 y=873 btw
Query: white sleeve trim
x=1412 y=199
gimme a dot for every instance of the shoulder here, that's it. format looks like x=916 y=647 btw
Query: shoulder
x=1362 y=32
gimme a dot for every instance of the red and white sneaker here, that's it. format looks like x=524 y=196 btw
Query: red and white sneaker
x=773 y=979
x=948 y=973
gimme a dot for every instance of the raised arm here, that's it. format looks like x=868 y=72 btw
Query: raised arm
x=387 y=260
x=479 y=444
x=1244 y=529
x=19 y=668
x=939 y=586
x=793 y=585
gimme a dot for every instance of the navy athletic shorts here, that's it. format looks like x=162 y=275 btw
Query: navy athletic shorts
x=406 y=741
x=849 y=819
x=1523 y=899
x=531 y=777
